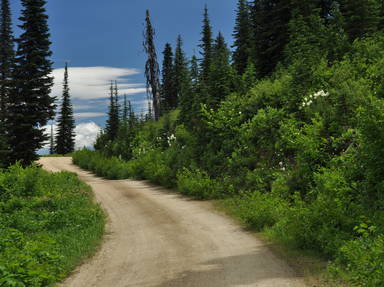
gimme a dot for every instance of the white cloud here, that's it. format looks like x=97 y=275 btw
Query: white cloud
x=93 y=82
x=86 y=134
x=88 y=115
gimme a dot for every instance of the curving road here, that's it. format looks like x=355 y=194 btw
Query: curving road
x=161 y=239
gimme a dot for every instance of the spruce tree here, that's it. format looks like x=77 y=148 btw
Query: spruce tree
x=112 y=126
x=362 y=17
x=6 y=66
x=181 y=79
x=65 y=138
x=125 y=110
x=169 y=96
x=52 y=142
x=270 y=22
x=152 y=72
x=221 y=75
x=242 y=36
x=7 y=55
x=194 y=70
x=31 y=105
x=206 y=46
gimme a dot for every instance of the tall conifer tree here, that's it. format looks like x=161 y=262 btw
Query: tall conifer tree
x=242 y=36
x=169 y=96
x=6 y=66
x=152 y=71
x=112 y=126
x=206 y=46
x=31 y=105
x=181 y=79
x=52 y=142
x=65 y=138
x=270 y=21
x=220 y=77
x=7 y=55
x=361 y=17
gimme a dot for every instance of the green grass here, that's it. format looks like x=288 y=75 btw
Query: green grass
x=48 y=225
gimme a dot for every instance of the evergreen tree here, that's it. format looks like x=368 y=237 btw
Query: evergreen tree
x=112 y=126
x=169 y=96
x=362 y=17
x=31 y=105
x=194 y=70
x=125 y=110
x=6 y=57
x=52 y=142
x=270 y=22
x=183 y=84
x=152 y=71
x=220 y=77
x=181 y=79
x=6 y=66
x=65 y=139
x=242 y=36
x=206 y=46
x=381 y=23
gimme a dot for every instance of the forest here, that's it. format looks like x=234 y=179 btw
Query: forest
x=285 y=127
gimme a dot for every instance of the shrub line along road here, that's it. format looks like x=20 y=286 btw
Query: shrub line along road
x=161 y=239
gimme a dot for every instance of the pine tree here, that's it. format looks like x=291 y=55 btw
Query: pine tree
x=6 y=66
x=169 y=96
x=194 y=70
x=242 y=36
x=7 y=55
x=31 y=105
x=65 y=142
x=381 y=23
x=206 y=46
x=181 y=79
x=126 y=110
x=270 y=25
x=152 y=71
x=52 y=142
x=361 y=17
x=112 y=126
x=220 y=77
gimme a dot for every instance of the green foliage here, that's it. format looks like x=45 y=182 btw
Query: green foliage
x=256 y=210
x=363 y=259
x=48 y=224
x=198 y=184
x=304 y=142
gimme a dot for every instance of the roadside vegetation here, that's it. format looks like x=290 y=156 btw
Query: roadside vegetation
x=292 y=146
x=48 y=225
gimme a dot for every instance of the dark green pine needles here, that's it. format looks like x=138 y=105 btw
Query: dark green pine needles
x=7 y=55
x=65 y=138
x=30 y=105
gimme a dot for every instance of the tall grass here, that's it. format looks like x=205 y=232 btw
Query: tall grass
x=48 y=225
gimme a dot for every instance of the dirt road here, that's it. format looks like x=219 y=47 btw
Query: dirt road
x=160 y=239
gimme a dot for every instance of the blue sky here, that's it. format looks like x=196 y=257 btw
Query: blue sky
x=102 y=41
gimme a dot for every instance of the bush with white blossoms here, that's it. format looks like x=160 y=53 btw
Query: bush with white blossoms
x=171 y=139
x=311 y=98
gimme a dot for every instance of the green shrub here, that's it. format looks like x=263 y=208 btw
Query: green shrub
x=361 y=261
x=257 y=210
x=198 y=184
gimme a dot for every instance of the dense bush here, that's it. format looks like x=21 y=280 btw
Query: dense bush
x=48 y=224
x=306 y=144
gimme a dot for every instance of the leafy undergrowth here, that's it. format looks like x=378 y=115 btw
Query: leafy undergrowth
x=48 y=225
x=330 y=227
